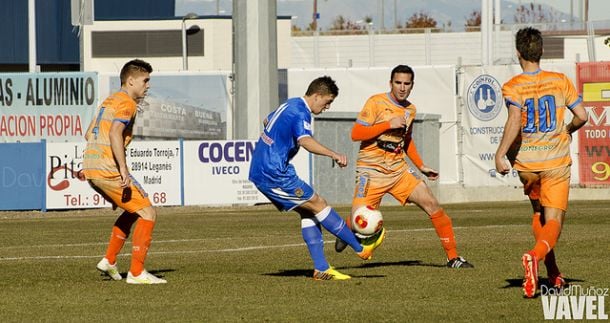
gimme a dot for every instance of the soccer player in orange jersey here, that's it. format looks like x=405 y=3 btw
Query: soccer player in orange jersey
x=537 y=143
x=384 y=127
x=105 y=168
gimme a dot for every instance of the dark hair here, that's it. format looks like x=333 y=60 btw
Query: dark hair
x=323 y=85
x=134 y=66
x=529 y=44
x=403 y=69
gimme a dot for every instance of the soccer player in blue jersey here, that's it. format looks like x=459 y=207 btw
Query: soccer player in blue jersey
x=286 y=130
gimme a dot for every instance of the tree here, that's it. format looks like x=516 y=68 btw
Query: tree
x=295 y=29
x=473 y=20
x=341 y=23
x=535 y=14
x=312 y=27
x=420 y=20
x=447 y=26
x=338 y=24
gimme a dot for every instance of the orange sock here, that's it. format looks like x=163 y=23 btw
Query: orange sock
x=444 y=230
x=547 y=239
x=117 y=240
x=142 y=237
x=549 y=259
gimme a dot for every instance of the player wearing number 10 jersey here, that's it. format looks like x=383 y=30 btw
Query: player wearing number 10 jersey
x=537 y=143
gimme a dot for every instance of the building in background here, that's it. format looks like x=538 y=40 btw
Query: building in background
x=57 y=41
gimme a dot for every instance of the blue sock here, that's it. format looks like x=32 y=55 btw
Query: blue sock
x=312 y=235
x=332 y=222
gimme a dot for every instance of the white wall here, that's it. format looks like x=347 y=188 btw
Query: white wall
x=368 y=50
x=393 y=49
x=576 y=49
x=380 y=50
x=217 y=45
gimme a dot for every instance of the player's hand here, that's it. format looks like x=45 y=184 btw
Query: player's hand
x=398 y=122
x=502 y=166
x=125 y=178
x=430 y=173
x=340 y=159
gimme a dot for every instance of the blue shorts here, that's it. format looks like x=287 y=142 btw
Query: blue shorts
x=288 y=194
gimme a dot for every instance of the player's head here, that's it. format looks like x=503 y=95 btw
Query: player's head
x=323 y=85
x=321 y=93
x=135 y=76
x=529 y=44
x=403 y=69
x=133 y=68
x=401 y=82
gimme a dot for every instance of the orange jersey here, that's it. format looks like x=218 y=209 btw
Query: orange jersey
x=381 y=108
x=543 y=98
x=98 y=160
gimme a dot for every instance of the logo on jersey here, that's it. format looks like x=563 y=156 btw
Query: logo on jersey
x=484 y=97
x=299 y=192
x=306 y=125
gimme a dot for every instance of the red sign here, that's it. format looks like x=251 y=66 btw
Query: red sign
x=594 y=137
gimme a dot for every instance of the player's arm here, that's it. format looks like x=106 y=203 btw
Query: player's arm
x=512 y=128
x=361 y=132
x=574 y=104
x=118 y=150
x=579 y=119
x=413 y=154
x=314 y=147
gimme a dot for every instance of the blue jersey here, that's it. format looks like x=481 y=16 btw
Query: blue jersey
x=270 y=163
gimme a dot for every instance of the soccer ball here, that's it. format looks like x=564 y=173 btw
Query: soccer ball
x=366 y=221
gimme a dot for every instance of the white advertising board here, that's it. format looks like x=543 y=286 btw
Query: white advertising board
x=65 y=189
x=216 y=172
x=56 y=107
x=483 y=124
x=154 y=164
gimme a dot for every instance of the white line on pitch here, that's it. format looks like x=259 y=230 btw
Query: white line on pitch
x=85 y=244
x=217 y=250
x=161 y=252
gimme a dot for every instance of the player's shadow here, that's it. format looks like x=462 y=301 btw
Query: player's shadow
x=159 y=273
x=399 y=263
x=542 y=281
x=309 y=273
x=292 y=273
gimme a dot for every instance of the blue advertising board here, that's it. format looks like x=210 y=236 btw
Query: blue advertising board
x=22 y=176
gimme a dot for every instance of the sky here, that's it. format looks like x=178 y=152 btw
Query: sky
x=598 y=9
x=441 y=10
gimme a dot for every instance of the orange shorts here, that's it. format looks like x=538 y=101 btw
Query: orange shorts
x=551 y=187
x=372 y=185
x=131 y=200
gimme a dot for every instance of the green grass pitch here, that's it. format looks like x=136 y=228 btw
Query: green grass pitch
x=249 y=264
